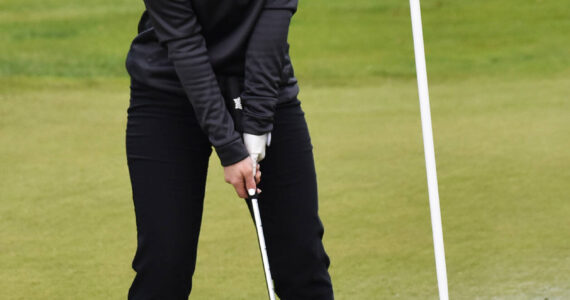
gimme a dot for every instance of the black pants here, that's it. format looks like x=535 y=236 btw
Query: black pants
x=168 y=156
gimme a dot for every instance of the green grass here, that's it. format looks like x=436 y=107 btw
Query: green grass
x=499 y=82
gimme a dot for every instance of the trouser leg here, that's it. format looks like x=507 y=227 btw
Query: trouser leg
x=167 y=156
x=289 y=211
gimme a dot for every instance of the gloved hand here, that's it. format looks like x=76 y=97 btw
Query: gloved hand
x=255 y=145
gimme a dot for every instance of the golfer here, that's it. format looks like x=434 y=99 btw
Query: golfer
x=217 y=73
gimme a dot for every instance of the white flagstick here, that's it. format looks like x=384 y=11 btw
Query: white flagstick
x=429 y=149
x=261 y=239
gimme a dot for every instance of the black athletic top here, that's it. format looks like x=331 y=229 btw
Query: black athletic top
x=204 y=47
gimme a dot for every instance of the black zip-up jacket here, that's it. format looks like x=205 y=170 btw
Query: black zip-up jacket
x=208 y=49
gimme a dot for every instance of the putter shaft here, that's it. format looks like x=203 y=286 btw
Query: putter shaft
x=262 y=247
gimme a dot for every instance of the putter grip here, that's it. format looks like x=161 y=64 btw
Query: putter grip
x=255 y=196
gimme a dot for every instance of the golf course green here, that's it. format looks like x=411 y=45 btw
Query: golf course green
x=499 y=74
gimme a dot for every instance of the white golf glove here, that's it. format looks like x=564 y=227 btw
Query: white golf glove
x=255 y=145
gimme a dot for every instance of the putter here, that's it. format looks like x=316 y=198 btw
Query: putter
x=261 y=238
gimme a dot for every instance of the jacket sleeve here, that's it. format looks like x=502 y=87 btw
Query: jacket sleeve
x=177 y=28
x=265 y=58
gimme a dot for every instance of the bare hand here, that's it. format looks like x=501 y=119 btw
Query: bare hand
x=240 y=175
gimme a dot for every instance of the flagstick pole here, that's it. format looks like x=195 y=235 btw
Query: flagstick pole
x=429 y=149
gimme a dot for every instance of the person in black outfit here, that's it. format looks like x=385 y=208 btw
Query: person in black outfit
x=217 y=73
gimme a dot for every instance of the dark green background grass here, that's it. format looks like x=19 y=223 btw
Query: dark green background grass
x=499 y=82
